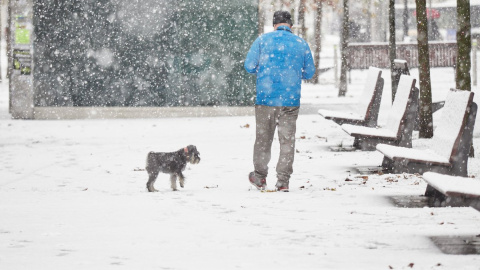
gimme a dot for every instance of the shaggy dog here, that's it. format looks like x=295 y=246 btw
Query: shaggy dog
x=172 y=163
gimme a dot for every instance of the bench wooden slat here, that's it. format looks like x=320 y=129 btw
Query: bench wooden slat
x=461 y=194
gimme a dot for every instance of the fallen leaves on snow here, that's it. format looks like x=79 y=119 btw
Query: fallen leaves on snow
x=323 y=138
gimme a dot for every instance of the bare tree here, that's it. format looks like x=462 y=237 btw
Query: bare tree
x=261 y=16
x=464 y=45
x=342 y=91
x=392 y=44
x=425 y=109
x=278 y=5
x=405 y=18
x=368 y=12
x=318 y=38
x=301 y=18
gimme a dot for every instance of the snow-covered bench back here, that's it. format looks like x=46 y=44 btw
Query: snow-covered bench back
x=399 y=127
x=365 y=113
x=453 y=118
x=367 y=97
x=399 y=107
x=447 y=152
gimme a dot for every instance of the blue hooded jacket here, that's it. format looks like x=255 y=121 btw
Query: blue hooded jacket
x=280 y=60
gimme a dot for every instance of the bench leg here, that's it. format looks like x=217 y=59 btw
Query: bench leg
x=430 y=191
x=356 y=143
x=367 y=144
x=435 y=198
x=387 y=165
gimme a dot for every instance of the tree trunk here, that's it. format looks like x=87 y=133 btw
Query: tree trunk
x=261 y=17
x=425 y=104
x=405 y=19
x=301 y=18
x=286 y=4
x=318 y=38
x=368 y=34
x=464 y=46
x=277 y=5
x=392 y=46
x=342 y=91
x=376 y=21
x=9 y=55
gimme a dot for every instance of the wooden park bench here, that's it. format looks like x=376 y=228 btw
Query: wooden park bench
x=447 y=152
x=366 y=113
x=447 y=190
x=399 y=127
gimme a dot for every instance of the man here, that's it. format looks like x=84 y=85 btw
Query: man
x=280 y=61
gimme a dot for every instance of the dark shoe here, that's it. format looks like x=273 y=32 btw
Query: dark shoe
x=260 y=184
x=282 y=186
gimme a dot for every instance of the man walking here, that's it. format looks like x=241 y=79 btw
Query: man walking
x=280 y=61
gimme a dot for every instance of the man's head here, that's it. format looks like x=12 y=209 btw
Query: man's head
x=282 y=17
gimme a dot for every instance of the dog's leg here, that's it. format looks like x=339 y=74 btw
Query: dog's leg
x=173 y=180
x=152 y=176
x=181 y=179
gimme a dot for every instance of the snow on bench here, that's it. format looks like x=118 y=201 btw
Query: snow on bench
x=446 y=190
x=447 y=152
x=366 y=113
x=454 y=186
x=399 y=127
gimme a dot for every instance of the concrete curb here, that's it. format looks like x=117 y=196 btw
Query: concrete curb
x=68 y=113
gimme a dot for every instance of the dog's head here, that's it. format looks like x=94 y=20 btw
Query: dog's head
x=193 y=156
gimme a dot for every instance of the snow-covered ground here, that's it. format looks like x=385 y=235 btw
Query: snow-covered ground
x=72 y=196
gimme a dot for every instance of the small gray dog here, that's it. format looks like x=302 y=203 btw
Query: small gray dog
x=172 y=163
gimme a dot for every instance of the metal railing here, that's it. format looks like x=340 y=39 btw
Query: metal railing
x=362 y=56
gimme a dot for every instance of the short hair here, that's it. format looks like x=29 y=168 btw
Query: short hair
x=282 y=17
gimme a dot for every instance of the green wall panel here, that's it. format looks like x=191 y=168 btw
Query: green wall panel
x=143 y=53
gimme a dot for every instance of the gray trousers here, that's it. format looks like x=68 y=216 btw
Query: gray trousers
x=267 y=119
